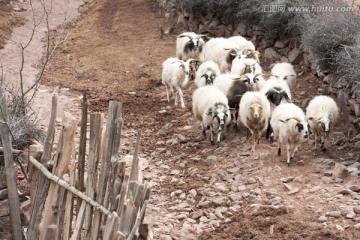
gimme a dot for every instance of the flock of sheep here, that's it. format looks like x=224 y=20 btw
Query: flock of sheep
x=231 y=83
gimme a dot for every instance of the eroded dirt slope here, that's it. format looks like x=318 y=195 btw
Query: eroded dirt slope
x=198 y=191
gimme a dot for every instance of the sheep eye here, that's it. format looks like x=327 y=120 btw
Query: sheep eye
x=187 y=73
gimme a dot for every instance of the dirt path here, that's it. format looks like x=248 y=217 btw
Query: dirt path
x=198 y=191
x=61 y=12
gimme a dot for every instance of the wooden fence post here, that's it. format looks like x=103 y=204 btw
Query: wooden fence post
x=108 y=147
x=61 y=166
x=96 y=127
x=14 y=203
x=42 y=182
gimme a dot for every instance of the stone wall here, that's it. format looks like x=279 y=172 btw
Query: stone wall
x=284 y=50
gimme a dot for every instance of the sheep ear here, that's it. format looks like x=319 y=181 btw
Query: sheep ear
x=181 y=36
x=286 y=77
x=209 y=112
x=311 y=118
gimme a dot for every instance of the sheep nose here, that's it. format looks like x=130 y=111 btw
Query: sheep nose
x=256 y=115
x=222 y=126
x=306 y=135
x=326 y=133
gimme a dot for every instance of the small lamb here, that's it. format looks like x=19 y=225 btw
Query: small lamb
x=210 y=107
x=206 y=73
x=254 y=113
x=176 y=74
x=322 y=113
x=290 y=127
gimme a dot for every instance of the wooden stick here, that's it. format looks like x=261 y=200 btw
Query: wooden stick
x=93 y=161
x=82 y=144
x=59 y=211
x=42 y=185
x=14 y=151
x=69 y=201
x=79 y=222
x=112 y=224
x=134 y=175
x=139 y=219
x=68 y=187
x=51 y=232
x=106 y=153
x=14 y=203
x=60 y=167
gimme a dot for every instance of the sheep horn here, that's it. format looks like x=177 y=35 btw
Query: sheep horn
x=277 y=76
x=185 y=35
x=291 y=75
x=286 y=120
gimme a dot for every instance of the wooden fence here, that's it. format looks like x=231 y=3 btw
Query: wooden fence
x=109 y=203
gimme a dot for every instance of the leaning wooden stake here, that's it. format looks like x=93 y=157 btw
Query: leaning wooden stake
x=106 y=154
x=134 y=175
x=42 y=182
x=96 y=120
x=68 y=187
x=14 y=203
x=61 y=166
x=82 y=145
x=79 y=222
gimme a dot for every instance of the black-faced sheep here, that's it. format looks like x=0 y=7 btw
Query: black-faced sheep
x=254 y=113
x=321 y=113
x=290 y=128
x=206 y=73
x=210 y=107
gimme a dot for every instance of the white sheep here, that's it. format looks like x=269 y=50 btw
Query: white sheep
x=221 y=51
x=206 y=73
x=286 y=72
x=322 y=113
x=244 y=44
x=250 y=67
x=175 y=74
x=210 y=107
x=190 y=45
x=290 y=128
x=254 y=113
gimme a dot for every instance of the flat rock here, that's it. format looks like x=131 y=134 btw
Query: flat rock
x=357 y=226
x=340 y=228
x=355 y=188
x=322 y=219
x=334 y=214
x=244 y=154
x=287 y=179
x=315 y=189
x=327 y=179
x=339 y=171
x=295 y=56
x=197 y=214
x=293 y=191
x=357 y=209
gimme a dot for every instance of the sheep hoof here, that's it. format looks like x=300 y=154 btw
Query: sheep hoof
x=212 y=143
x=323 y=149
x=279 y=152
x=217 y=144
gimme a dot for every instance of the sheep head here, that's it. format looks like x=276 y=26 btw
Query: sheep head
x=194 y=44
x=209 y=77
x=301 y=126
x=276 y=95
x=219 y=113
x=256 y=110
x=324 y=123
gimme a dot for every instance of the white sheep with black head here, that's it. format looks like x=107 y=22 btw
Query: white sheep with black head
x=210 y=107
x=206 y=73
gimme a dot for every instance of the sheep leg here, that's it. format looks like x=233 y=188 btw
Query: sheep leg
x=218 y=138
x=270 y=133
x=288 y=158
x=167 y=93
x=253 y=142
x=322 y=142
x=203 y=130
x=176 y=99
x=212 y=137
x=279 y=148
x=181 y=97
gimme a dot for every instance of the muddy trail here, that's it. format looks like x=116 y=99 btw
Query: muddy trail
x=199 y=191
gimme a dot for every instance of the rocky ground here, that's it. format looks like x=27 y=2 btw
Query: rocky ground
x=199 y=191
